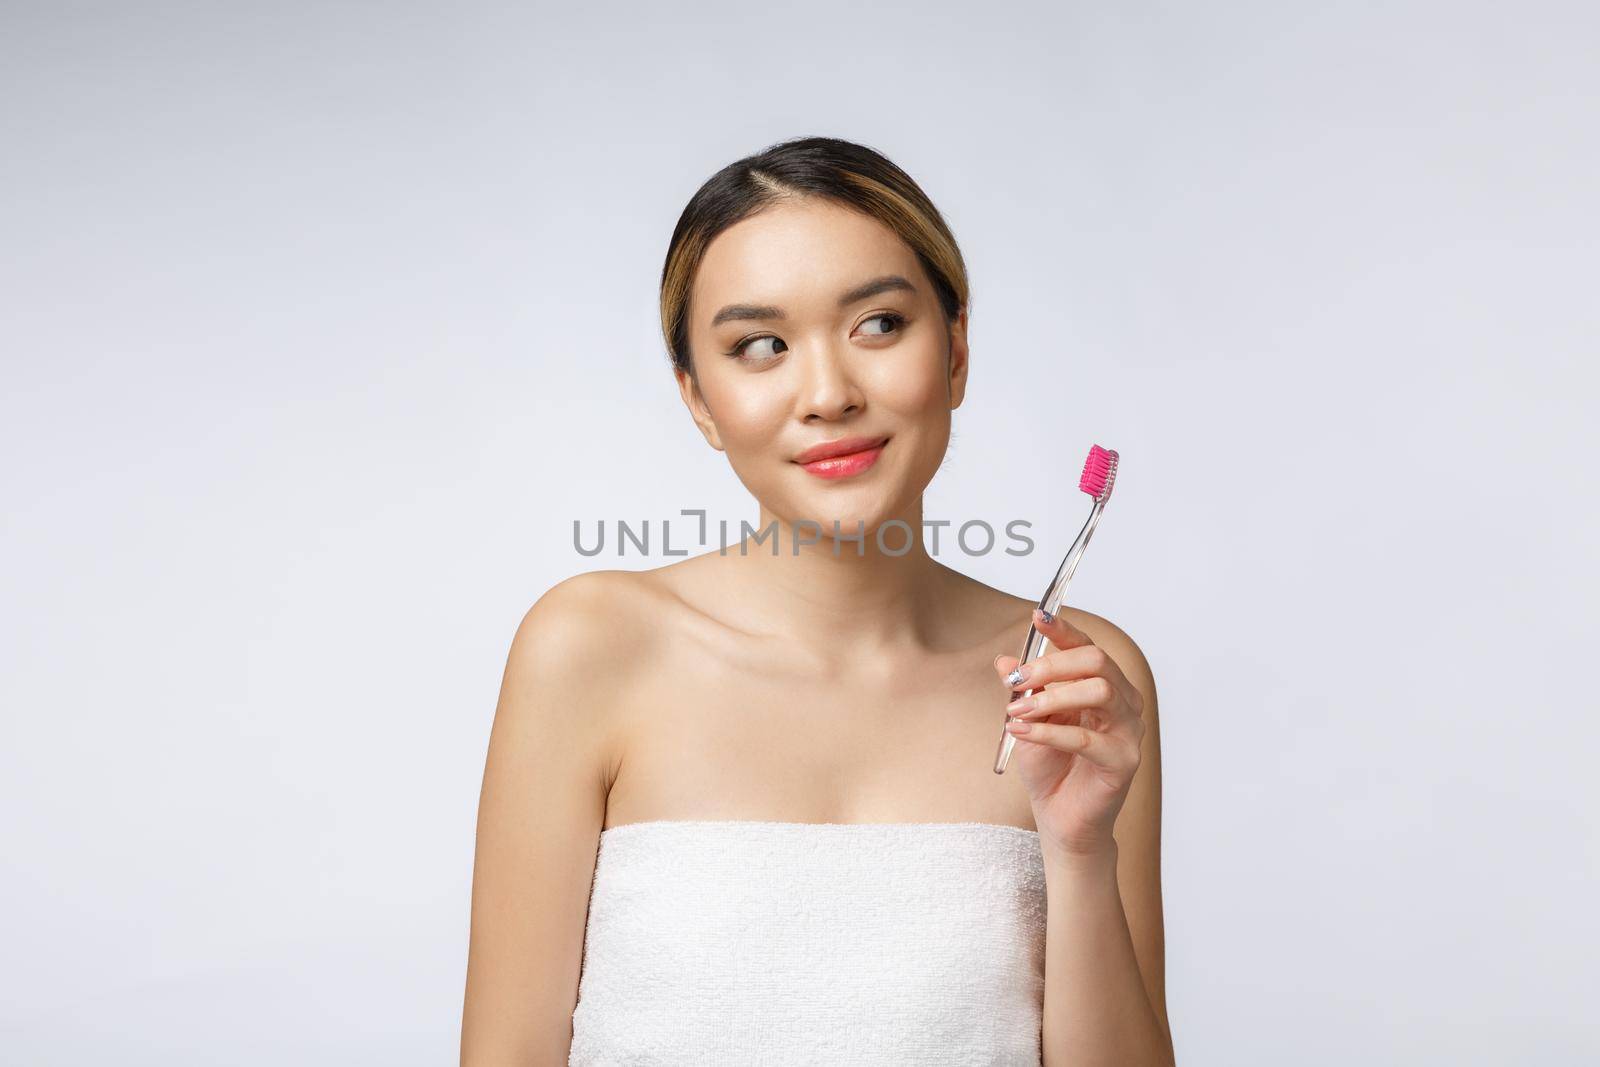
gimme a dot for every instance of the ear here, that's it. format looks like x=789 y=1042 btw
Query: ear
x=689 y=389
x=958 y=359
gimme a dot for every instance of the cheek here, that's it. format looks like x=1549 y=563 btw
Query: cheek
x=746 y=413
x=914 y=384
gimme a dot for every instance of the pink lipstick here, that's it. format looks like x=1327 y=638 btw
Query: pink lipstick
x=842 y=458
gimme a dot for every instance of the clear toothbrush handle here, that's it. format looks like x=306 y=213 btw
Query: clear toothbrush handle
x=1051 y=602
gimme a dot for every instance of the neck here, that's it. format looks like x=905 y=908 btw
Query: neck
x=846 y=599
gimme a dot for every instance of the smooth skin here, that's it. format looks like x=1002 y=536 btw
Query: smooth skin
x=842 y=684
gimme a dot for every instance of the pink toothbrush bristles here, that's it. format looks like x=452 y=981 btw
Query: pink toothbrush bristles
x=1099 y=471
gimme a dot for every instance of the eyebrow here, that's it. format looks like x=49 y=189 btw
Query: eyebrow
x=885 y=284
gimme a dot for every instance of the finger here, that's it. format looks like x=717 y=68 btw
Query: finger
x=1060 y=633
x=1056 y=626
x=1055 y=629
x=1082 y=661
x=1120 y=725
x=1103 y=750
x=1085 y=693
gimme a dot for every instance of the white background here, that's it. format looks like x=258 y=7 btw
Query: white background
x=322 y=322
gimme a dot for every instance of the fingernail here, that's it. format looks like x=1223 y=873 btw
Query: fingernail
x=1018 y=676
x=1019 y=726
x=1020 y=704
x=1044 y=616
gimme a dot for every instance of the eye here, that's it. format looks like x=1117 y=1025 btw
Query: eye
x=738 y=350
x=897 y=319
x=741 y=351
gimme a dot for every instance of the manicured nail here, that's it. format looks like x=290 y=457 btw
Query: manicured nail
x=1019 y=726
x=1020 y=704
x=1018 y=676
x=1044 y=616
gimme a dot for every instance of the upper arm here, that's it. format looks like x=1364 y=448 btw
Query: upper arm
x=1138 y=826
x=540 y=813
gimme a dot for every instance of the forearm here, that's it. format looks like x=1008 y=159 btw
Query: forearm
x=1096 y=1007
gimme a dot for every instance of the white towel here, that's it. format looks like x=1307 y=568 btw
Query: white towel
x=754 y=943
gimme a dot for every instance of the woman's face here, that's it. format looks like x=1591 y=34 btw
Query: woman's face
x=811 y=323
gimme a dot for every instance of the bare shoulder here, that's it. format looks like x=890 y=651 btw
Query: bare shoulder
x=580 y=622
x=569 y=647
x=575 y=600
x=1123 y=650
x=1006 y=612
x=572 y=600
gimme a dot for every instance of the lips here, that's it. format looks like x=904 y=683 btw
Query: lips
x=844 y=446
x=843 y=458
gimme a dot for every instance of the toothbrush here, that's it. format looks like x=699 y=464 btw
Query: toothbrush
x=1099 y=471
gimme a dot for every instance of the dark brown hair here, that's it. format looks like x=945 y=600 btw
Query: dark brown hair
x=847 y=173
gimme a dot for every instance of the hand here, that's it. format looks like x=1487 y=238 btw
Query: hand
x=1081 y=749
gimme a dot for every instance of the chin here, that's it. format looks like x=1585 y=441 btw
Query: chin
x=866 y=518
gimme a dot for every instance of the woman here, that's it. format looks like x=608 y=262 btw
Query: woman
x=741 y=808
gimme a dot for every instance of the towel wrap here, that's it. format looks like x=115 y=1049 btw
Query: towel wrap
x=742 y=942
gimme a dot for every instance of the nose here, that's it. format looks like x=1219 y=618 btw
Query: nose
x=828 y=389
